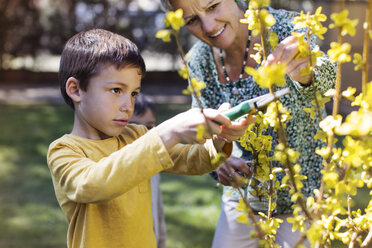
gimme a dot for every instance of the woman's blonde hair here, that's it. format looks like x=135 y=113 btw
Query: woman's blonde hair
x=168 y=6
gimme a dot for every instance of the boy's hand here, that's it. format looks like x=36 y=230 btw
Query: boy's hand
x=237 y=128
x=183 y=127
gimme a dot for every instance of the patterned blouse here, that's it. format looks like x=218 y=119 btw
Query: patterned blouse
x=300 y=129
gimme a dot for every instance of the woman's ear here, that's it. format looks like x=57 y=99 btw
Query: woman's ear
x=73 y=89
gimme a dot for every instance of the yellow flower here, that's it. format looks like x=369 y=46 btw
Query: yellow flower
x=320 y=134
x=329 y=123
x=330 y=179
x=243 y=218
x=164 y=34
x=313 y=22
x=273 y=39
x=357 y=61
x=330 y=92
x=339 y=52
x=184 y=72
x=251 y=18
x=321 y=100
x=194 y=87
x=306 y=70
x=256 y=4
x=220 y=156
x=267 y=76
x=200 y=130
x=316 y=27
x=258 y=19
x=271 y=115
x=302 y=45
x=315 y=53
x=256 y=57
x=174 y=19
x=324 y=152
x=357 y=123
x=310 y=111
x=349 y=93
x=268 y=18
x=319 y=17
x=341 y=21
x=292 y=155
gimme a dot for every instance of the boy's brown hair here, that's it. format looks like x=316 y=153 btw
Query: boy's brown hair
x=87 y=52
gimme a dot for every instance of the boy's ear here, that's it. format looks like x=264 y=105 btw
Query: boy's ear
x=73 y=89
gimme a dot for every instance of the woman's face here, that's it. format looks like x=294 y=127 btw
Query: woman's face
x=215 y=22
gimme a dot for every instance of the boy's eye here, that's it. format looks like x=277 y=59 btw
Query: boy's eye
x=135 y=94
x=116 y=90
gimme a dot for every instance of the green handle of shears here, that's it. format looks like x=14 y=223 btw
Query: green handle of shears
x=237 y=111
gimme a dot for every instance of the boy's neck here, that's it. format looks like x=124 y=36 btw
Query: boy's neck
x=86 y=131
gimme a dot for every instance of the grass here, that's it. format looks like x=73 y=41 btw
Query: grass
x=29 y=213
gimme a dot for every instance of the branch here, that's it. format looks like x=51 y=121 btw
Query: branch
x=354 y=236
x=300 y=241
x=365 y=62
x=260 y=233
x=368 y=240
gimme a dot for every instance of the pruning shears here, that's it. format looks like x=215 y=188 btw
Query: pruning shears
x=250 y=106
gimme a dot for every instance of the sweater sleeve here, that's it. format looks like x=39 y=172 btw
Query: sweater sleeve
x=324 y=78
x=86 y=181
x=196 y=159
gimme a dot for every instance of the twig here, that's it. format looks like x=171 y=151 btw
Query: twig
x=368 y=240
x=365 y=62
x=300 y=241
x=260 y=233
x=354 y=236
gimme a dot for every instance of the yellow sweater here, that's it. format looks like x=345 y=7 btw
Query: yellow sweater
x=103 y=186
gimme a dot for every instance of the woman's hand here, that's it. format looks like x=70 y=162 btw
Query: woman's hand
x=235 y=172
x=286 y=52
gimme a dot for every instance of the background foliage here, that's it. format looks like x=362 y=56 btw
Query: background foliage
x=29 y=28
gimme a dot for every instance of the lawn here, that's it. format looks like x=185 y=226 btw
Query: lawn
x=29 y=212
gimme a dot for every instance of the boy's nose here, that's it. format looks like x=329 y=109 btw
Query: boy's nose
x=123 y=108
x=127 y=105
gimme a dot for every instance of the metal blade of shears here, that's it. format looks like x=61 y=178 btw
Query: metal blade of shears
x=249 y=106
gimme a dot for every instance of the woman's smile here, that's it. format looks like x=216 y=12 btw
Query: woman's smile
x=218 y=32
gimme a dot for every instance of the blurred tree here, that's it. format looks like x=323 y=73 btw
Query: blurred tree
x=19 y=27
x=32 y=27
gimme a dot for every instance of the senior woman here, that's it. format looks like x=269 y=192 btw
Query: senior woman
x=218 y=59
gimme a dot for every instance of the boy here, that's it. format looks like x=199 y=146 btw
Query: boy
x=145 y=114
x=101 y=171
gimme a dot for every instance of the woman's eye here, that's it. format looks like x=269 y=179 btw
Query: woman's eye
x=213 y=6
x=190 y=21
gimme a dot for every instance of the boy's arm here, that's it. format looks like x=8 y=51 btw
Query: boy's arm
x=197 y=159
x=86 y=181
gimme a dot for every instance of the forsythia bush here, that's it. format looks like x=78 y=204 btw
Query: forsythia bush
x=327 y=215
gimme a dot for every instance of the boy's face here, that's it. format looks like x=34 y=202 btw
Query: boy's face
x=148 y=119
x=107 y=104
